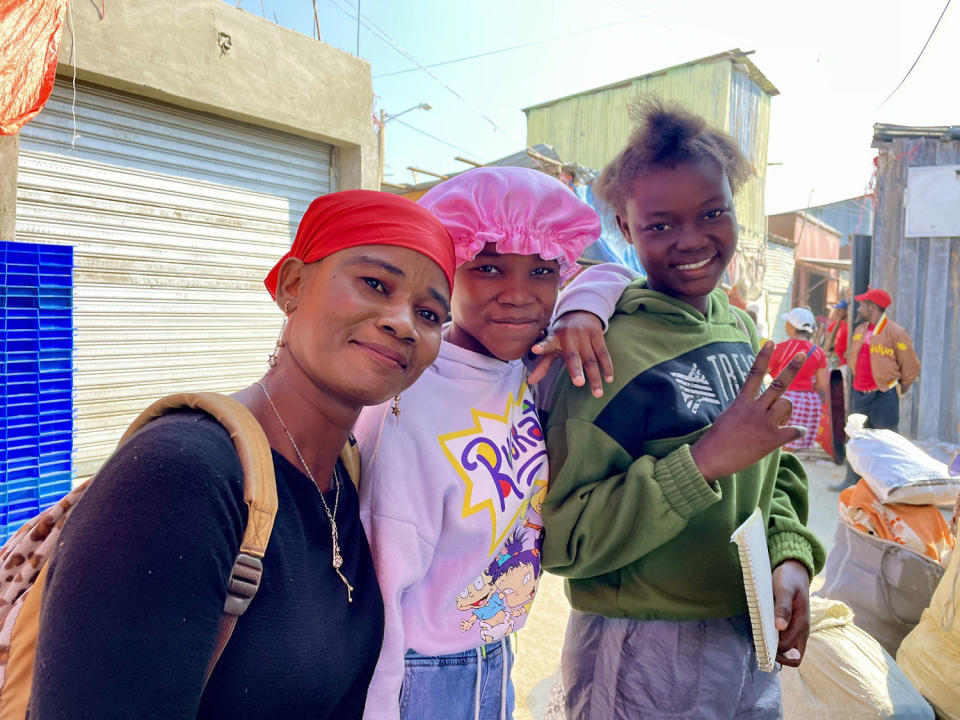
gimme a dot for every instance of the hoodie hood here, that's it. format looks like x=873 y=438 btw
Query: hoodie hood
x=638 y=296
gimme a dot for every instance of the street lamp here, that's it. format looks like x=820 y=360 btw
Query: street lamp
x=381 y=142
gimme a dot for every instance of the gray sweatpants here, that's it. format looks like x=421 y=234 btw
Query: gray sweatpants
x=622 y=669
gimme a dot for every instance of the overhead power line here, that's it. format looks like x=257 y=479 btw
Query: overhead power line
x=929 y=38
x=513 y=47
x=381 y=34
x=434 y=137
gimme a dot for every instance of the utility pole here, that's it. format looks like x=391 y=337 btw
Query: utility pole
x=381 y=138
x=381 y=149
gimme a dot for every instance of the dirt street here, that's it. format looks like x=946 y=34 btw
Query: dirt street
x=538 y=645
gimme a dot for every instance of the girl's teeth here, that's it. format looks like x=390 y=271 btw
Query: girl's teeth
x=694 y=266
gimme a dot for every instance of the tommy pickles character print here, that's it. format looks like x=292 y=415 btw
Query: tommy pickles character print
x=502 y=461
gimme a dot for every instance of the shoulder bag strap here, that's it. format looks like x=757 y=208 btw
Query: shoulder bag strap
x=259 y=494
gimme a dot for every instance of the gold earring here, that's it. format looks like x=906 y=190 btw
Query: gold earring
x=395 y=408
x=272 y=359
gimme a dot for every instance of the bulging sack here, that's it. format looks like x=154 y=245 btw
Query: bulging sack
x=845 y=674
x=930 y=653
x=886 y=585
x=897 y=470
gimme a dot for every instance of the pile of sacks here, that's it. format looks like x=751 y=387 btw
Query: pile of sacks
x=893 y=568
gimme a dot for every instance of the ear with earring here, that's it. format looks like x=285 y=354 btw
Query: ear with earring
x=272 y=359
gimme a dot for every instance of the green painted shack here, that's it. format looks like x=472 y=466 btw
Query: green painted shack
x=727 y=89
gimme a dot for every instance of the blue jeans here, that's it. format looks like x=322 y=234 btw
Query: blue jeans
x=451 y=687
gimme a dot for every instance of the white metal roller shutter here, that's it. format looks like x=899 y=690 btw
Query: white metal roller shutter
x=175 y=217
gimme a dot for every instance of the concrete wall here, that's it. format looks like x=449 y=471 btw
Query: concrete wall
x=9 y=147
x=208 y=55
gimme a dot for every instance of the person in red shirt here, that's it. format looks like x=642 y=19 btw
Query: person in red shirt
x=808 y=391
x=838 y=332
x=884 y=366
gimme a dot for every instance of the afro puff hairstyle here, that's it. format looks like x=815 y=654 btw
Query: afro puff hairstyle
x=666 y=135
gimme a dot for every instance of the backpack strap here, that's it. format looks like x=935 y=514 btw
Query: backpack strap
x=259 y=494
x=350 y=457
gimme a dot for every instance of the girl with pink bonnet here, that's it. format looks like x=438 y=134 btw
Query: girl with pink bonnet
x=450 y=467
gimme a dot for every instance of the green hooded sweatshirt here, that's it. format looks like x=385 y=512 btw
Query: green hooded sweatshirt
x=629 y=519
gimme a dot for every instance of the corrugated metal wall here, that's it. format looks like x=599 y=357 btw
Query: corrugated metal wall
x=922 y=276
x=778 y=283
x=592 y=127
x=175 y=217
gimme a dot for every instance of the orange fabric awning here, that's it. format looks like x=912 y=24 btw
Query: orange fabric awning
x=30 y=38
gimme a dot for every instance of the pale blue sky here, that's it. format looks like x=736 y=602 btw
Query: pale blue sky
x=834 y=62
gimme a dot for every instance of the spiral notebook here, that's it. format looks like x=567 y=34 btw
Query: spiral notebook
x=751 y=540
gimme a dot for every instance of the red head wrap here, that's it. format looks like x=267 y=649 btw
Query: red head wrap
x=365 y=217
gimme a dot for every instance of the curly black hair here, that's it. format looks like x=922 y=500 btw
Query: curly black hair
x=666 y=134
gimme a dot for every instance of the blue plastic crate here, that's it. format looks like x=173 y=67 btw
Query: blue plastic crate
x=53 y=469
x=55 y=383
x=22 y=385
x=50 y=496
x=56 y=456
x=57 y=445
x=25 y=476
x=52 y=255
x=21 y=342
x=21 y=431
x=18 y=513
x=22 y=364
x=22 y=453
x=21 y=252
x=54 y=365
x=51 y=345
x=60 y=406
x=55 y=318
x=21 y=319
x=21 y=405
x=55 y=426
x=36 y=372
x=55 y=297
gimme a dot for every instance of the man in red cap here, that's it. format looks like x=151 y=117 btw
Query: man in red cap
x=884 y=365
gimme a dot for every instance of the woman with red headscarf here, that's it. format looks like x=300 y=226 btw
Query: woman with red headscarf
x=136 y=589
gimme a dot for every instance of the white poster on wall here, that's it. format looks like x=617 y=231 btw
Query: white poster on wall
x=932 y=201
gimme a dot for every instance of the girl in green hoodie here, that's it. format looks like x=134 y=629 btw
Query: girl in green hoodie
x=649 y=481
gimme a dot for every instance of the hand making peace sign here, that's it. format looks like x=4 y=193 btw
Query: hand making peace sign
x=754 y=425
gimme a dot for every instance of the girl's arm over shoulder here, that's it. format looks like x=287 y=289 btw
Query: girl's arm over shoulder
x=580 y=319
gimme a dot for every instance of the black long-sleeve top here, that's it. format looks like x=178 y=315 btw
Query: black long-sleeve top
x=135 y=592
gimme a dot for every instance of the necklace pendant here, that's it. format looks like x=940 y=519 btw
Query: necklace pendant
x=347 y=583
x=337 y=560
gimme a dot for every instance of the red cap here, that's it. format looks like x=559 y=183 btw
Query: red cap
x=875 y=295
x=366 y=217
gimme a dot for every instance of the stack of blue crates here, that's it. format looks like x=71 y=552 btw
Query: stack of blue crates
x=36 y=379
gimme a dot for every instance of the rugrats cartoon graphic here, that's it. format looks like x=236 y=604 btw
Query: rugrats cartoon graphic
x=485 y=603
x=517 y=575
x=533 y=518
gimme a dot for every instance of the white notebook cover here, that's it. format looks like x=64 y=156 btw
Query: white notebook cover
x=751 y=540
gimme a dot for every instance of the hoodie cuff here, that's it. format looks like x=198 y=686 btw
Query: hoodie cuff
x=794 y=546
x=684 y=486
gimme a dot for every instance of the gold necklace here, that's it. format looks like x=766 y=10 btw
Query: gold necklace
x=337 y=560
